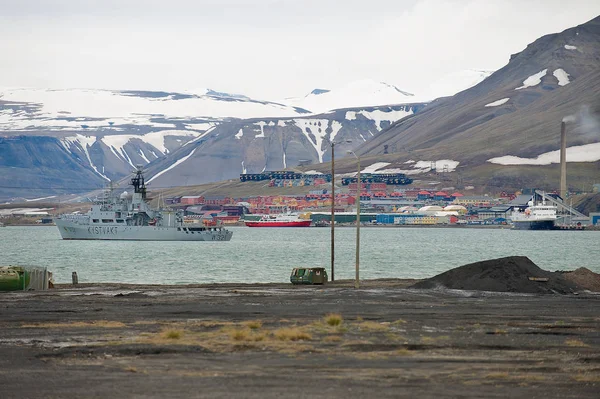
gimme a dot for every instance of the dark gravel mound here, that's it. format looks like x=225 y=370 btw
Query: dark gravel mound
x=510 y=274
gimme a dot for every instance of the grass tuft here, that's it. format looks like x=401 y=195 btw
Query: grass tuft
x=333 y=319
x=291 y=334
x=575 y=343
x=253 y=324
x=240 y=335
x=172 y=334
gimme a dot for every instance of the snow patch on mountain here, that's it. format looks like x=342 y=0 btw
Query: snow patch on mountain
x=533 y=80
x=498 y=102
x=178 y=162
x=580 y=153
x=83 y=142
x=74 y=108
x=262 y=129
x=373 y=168
x=362 y=93
x=315 y=132
x=442 y=165
x=379 y=116
x=239 y=134
x=569 y=47
x=335 y=128
x=562 y=76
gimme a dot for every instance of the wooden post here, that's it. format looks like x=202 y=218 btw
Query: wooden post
x=74 y=277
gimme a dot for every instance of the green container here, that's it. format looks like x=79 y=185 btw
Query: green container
x=305 y=275
x=13 y=278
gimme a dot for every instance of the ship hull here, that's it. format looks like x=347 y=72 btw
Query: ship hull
x=70 y=230
x=299 y=223
x=534 y=225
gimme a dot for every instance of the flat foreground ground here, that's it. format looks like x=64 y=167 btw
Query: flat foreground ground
x=267 y=341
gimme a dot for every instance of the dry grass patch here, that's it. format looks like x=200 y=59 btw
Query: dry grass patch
x=253 y=324
x=497 y=375
x=403 y=352
x=587 y=378
x=575 y=343
x=240 y=334
x=291 y=334
x=334 y=319
x=78 y=324
x=332 y=338
x=373 y=326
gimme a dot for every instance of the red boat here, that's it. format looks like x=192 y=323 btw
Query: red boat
x=285 y=220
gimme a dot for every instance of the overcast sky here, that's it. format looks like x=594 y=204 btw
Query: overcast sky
x=266 y=49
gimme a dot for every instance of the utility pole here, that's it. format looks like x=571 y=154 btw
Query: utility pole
x=332 y=210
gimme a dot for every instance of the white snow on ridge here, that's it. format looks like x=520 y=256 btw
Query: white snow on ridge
x=569 y=47
x=533 y=80
x=361 y=93
x=262 y=129
x=379 y=116
x=83 y=142
x=335 y=128
x=580 y=153
x=418 y=167
x=179 y=161
x=317 y=127
x=449 y=164
x=143 y=156
x=562 y=76
x=239 y=134
x=199 y=126
x=108 y=104
x=372 y=168
x=39 y=199
x=498 y=102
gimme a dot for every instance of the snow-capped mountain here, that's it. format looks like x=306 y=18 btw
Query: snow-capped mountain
x=118 y=110
x=106 y=133
x=372 y=93
x=354 y=94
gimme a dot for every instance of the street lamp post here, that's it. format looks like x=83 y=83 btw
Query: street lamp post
x=332 y=144
x=358 y=187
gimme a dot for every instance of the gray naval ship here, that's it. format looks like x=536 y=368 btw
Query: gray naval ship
x=129 y=217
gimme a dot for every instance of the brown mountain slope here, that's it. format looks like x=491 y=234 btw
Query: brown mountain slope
x=464 y=129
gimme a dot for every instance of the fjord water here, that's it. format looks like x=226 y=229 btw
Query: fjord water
x=269 y=254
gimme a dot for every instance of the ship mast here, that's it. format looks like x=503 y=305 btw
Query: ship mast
x=139 y=186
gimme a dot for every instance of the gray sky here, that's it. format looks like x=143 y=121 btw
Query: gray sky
x=266 y=48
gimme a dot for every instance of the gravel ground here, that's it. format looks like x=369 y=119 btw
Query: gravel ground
x=275 y=340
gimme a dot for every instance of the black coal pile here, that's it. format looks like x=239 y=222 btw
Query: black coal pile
x=510 y=274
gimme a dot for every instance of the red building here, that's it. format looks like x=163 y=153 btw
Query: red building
x=192 y=200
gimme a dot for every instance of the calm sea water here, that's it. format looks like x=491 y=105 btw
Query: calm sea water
x=268 y=255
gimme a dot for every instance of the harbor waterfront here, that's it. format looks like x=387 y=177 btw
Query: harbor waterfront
x=268 y=255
